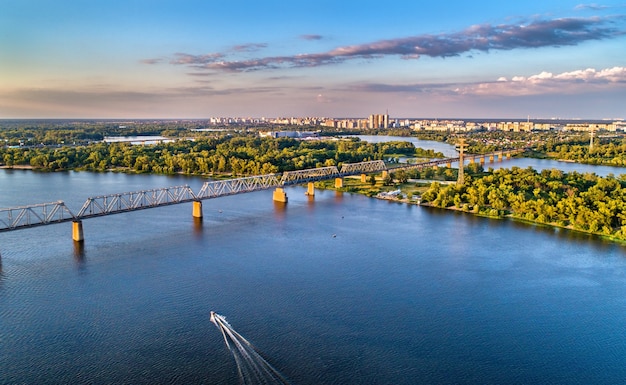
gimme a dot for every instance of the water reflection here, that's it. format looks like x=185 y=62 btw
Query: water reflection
x=197 y=227
x=280 y=209
x=338 y=196
x=310 y=202
x=568 y=235
x=562 y=234
x=79 y=253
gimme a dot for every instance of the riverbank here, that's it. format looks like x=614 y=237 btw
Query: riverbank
x=545 y=214
x=17 y=167
x=508 y=216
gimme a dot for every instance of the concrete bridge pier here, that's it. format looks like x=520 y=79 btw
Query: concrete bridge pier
x=500 y=156
x=77 y=231
x=310 y=189
x=338 y=182
x=491 y=158
x=449 y=165
x=197 y=209
x=384 y=174
x=280 y=195
x=482 y=160
x=472 y=160
x=363 y=178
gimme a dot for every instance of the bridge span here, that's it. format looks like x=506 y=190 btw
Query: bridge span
x=57 y=212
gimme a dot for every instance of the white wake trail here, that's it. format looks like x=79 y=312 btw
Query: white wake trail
x=252 y=368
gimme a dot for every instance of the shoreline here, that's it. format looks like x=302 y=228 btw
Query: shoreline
x=392 y=198
x=17 y=167
x=509 y=216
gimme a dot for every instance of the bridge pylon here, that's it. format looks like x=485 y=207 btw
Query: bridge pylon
x=197 y=209
x=77 y=231
x=280 y=195
x=461 y=176
x=310 y=189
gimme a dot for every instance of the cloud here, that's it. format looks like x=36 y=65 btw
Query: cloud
x=207 y=60
x=320 y=98
x=478 y=38
x=151 y=61
x=251 y=47
x=99 y=102
x=592 y=6
x=94 y=95
x=572 y=82
x=311 y=37
x=187 y=59
x=398 y=88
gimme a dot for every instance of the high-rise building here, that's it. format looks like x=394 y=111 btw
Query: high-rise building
x=379 y=121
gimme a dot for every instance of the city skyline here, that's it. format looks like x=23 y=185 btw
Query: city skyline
x=196 y=59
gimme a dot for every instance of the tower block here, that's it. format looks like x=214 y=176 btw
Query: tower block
x=280 y=195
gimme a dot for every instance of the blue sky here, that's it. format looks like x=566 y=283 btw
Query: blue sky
x=197 y=59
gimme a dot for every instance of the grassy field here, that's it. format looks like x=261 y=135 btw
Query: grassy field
x=410 y=191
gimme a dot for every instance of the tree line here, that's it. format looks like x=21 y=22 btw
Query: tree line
x=581 y=201
x=608 y=151
x=240 y=155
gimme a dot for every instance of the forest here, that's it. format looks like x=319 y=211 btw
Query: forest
x=608 y=151
x=238 y=155
x=584 y=202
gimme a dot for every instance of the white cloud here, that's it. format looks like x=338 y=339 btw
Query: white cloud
x=323 y=99
x=545 y=82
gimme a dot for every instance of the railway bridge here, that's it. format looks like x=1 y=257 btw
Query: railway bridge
x=57 y=212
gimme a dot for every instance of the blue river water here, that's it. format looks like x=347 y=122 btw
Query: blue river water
x=335 y=289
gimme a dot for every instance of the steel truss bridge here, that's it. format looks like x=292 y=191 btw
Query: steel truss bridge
x=57 y=212
x=471 y=157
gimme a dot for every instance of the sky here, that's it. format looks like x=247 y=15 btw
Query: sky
x=195 y=59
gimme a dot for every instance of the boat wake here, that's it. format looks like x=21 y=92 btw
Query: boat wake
x=252 y=368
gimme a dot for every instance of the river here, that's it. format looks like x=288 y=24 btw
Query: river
x=337 y=289
x=537 y=164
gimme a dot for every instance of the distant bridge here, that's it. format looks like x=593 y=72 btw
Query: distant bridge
x=57 y=212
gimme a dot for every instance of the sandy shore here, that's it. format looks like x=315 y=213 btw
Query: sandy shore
x=18 y=167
